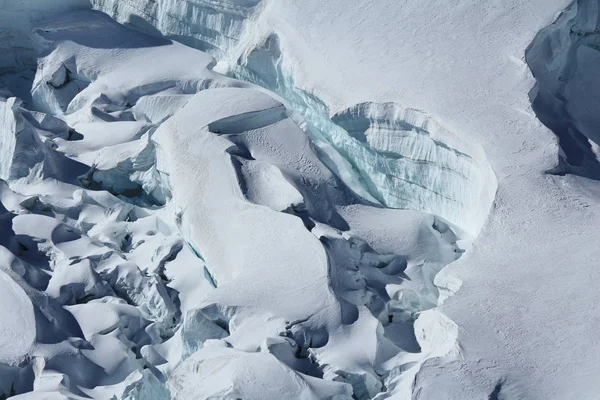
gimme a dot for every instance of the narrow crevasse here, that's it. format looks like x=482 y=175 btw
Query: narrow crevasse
x=564 y=58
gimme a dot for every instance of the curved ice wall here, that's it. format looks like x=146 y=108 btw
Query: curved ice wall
x=410 y=161
x=386 y=153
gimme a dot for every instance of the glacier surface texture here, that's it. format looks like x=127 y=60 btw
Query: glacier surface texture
x=259 y=199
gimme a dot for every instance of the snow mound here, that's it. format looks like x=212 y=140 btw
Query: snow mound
x=220 y=372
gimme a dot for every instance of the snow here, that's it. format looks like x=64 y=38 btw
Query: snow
x=136 y=270
x=223 y=372
x=18 y=321
x=431 y=169
x=282 y=205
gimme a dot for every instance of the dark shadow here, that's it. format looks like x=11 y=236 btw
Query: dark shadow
x=19 y=85
x=559 y=45
x=402 y=334
x=196 y=43
x=74 y=136
x=95 y=30
x=140 y=24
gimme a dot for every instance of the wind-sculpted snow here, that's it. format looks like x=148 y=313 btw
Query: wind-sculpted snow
x=174 y=233
x=525 y=320
x=307 y=276
x=565 y=59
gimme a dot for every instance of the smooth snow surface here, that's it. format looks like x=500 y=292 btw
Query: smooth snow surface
x=246 y=199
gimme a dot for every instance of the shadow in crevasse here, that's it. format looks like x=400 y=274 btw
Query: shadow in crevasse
x=564 y=58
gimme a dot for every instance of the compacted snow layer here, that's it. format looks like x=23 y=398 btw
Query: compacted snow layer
x=170 y=232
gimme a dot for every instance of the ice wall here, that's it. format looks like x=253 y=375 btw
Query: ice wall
x=9 y=126
x=26 y=149
x=17 y=19
x=565 y=59
x=410 y=161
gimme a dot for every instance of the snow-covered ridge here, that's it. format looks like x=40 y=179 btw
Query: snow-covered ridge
x=460 y=189
x=564 y=58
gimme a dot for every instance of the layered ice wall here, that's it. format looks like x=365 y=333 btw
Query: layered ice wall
x=397 y=156
x=409 y=161
x=386 y=153
x=565 y=59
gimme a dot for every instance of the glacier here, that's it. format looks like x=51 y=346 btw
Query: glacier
x=354 y=201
